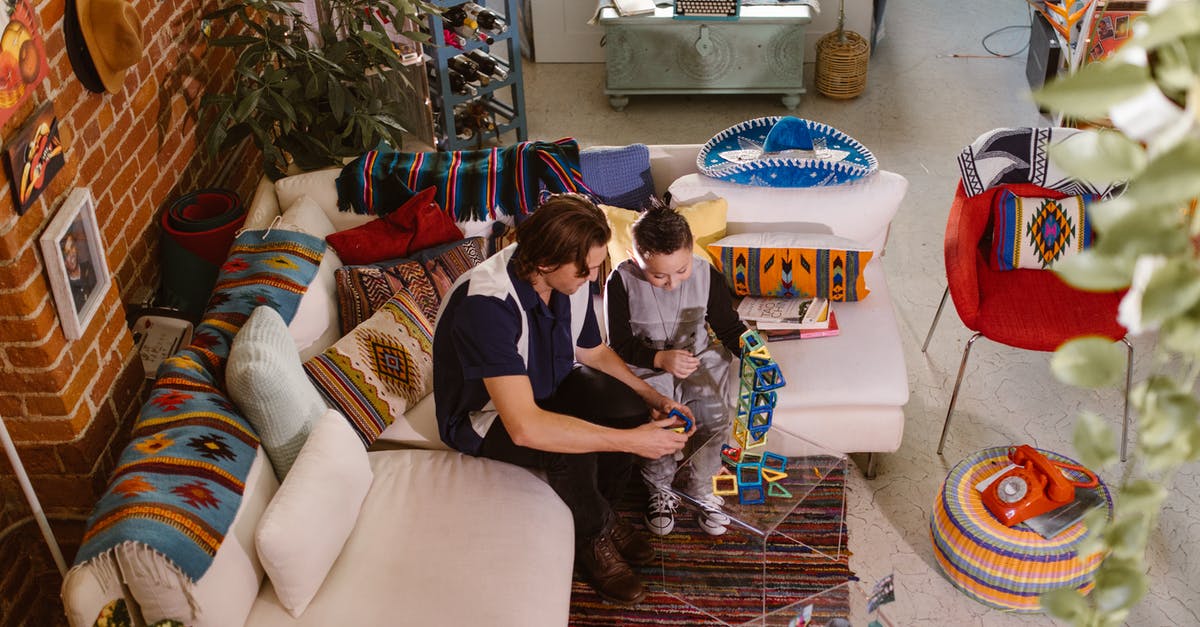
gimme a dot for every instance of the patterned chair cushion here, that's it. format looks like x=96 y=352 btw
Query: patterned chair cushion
x=380 y=369
x=1038 y=232
x=793 y=265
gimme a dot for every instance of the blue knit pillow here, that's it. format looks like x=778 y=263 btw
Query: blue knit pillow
x=618 y=176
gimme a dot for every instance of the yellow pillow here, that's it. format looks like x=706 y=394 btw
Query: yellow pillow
x=706 y=219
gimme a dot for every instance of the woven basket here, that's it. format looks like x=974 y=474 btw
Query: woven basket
x=842 y=64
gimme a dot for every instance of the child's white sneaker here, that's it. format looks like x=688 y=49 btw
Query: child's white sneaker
x=712 y=520
x=660 y=514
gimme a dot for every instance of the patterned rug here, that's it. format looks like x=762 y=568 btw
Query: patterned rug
x=731 y=567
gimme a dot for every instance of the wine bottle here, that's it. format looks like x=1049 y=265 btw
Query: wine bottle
x=468 y=68
x=485 y=18
x=488 y=64
x=456 y=16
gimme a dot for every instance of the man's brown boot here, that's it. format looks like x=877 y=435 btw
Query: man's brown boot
x=610 y=576
x=631 y=543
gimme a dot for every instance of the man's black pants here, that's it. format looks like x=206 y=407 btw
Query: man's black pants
x=587 y=482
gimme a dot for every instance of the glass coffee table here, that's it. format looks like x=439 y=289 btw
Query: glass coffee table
x=783 y=550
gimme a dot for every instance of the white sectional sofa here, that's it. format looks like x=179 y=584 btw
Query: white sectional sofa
x=447 y=539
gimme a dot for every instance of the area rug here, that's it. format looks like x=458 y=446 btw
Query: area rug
x=732 y=566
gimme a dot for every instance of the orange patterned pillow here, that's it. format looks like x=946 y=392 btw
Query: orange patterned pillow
x=793 y=265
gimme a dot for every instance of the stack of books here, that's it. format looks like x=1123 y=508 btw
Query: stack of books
x=789 y=318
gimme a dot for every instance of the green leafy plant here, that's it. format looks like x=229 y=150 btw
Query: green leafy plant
x=1148 y=240
x=309 y=95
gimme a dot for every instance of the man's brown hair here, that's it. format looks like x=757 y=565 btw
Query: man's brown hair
x=562 y=230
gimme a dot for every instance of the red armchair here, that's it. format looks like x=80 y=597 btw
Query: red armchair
x=1029 y=309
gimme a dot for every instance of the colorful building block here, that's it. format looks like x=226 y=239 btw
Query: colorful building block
x=724 y=485
x=751 y=495
x=774 y=461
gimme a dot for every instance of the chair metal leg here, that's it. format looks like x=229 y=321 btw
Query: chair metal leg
x=962 y=368
x=936 y=317
x=870 y=471
x=1128 y=385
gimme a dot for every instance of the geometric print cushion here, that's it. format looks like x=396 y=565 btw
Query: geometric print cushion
x=445 y=264
x=791 y=265
x=1038 y=232
x=362 y=290
x=380 y=369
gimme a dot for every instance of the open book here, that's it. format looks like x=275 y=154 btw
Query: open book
x=634 y=7
x=785 y=313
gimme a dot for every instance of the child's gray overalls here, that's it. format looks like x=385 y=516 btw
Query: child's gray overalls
x=675 y=320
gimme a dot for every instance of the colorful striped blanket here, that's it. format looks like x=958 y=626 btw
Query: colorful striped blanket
x=178 y=484
x=472 y=184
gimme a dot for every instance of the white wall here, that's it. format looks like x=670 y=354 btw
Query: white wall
x=561 y=33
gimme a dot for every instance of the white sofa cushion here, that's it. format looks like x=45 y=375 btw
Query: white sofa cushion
x=321 y=186
x=857 y=378
x=499 y=553
x=860 y=211
x=312 y=514
x=315 y=325
x=264 y=377
x=223 y=596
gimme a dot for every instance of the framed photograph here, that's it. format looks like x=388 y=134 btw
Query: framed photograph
x=74 y=255
x=34 y=157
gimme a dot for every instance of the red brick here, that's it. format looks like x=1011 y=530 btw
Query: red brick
x=17 y=273
x=81 y=455
x=34 y=325
x=64 y=490
x=42 y=353
x=36 y=459
x=11 y=405
x=39 y=430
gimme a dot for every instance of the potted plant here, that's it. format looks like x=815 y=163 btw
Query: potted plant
x=305 y=95
x=1148 y=239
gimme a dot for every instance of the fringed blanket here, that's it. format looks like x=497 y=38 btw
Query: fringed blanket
x=1018 y=155
x=179 y=482
x=472 y=184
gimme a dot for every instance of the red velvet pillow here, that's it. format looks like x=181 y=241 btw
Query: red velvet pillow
x=417 y=224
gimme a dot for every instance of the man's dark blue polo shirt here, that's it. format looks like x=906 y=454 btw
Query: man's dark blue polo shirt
x=476 y=338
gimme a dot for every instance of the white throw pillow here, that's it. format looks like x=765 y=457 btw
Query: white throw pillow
x=860 y=211
x=315 y=325
x=265 y=379
x=321 y=186
x=308 y=522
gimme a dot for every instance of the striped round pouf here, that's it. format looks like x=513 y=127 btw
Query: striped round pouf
x=1003 y=567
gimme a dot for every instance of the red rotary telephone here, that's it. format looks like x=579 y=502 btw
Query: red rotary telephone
x=1034 y=487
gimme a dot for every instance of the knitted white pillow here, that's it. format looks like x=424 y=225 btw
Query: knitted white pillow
x=310 y=518
x=266 y=381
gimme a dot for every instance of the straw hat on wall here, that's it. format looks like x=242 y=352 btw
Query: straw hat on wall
x=104 y=39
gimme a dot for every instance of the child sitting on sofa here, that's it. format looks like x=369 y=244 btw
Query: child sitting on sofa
x=657 y=305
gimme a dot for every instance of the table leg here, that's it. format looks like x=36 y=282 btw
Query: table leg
x=791 y=101
x=618 y=102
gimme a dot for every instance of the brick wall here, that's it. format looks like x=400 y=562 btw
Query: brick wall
x=69 y=404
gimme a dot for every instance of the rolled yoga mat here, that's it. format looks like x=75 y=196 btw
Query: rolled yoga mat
x=198 y=229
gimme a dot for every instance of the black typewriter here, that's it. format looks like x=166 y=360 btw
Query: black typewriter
x=707 y=9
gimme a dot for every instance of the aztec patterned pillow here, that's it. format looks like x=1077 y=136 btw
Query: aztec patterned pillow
x=380 y=369
x=362 y=290
x=1038 y=232
x=444 y=264
x=793 y=265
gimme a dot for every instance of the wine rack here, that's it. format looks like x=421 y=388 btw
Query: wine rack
x=470 y=106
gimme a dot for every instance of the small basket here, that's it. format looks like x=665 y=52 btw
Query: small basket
x=842 y=64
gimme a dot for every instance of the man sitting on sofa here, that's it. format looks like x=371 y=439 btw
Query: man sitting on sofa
x=507 y=343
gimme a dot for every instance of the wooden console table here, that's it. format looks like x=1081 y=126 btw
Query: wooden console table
x=761 y=52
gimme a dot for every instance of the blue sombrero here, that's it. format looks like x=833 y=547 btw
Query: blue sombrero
x=785 y=151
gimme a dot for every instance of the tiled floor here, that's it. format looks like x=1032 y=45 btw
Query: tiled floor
x=921 y=106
